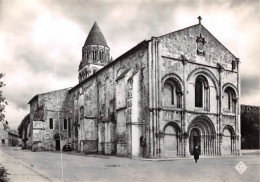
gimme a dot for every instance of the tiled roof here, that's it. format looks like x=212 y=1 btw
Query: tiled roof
x=95 y=37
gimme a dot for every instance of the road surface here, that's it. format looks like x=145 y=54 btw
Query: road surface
x=46 y=166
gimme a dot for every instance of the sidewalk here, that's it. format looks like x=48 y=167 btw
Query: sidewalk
x=22 y=172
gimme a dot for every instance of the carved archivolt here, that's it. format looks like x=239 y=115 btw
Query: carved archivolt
x=230 y=85
x=204 y=72
x=176 y=80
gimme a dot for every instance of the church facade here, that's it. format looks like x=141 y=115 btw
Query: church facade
x=160 y=99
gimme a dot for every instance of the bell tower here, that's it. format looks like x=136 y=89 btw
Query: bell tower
x=95 y=53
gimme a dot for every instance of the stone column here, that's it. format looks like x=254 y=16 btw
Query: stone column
x=184 y=107
x=238 y=107
x=220 y=70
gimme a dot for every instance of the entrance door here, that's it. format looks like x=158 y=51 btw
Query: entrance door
x=194 y=139
x=57 y=144
x=3 y=142
x=170 y=142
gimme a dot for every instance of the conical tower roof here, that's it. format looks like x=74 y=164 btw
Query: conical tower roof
x=95 y=37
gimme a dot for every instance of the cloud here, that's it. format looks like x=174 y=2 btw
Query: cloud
x=250 y=85
x=41 y=41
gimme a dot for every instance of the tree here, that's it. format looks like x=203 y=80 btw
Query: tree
x=250 y=129
x=23 y=127
x=3 y=101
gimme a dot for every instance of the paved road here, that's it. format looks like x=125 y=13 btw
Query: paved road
x=78 y=168
x=20 y=171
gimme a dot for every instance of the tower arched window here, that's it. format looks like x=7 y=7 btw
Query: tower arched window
x=101 y=54
x=202 y=92
x=171 y=94
x=229 y=100
x=94 y=52
x=88 y=54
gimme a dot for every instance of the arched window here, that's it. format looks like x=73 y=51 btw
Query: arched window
x=65 y=124
x=101 y=54
x=69 y=126
x=95 y=56
x=171 y=94
x=229 y=100
x=107 y=96
x=88 y=54
x=51 y=123
x=81 y=112
x=202 y=92
x=198 y=93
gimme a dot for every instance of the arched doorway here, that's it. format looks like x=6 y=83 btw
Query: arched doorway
x=194 y=139
x=203 y=134
x=226 y=142
x=57 y=138
x=170 y=142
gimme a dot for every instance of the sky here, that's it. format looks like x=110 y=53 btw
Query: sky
x=41 y=40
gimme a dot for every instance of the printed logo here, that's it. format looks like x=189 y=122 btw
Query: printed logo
x=241 y=167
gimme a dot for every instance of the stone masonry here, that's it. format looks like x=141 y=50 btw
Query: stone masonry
x=160 y=99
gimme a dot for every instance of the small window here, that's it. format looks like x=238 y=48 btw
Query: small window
x=65 y=124
x=233 y=65
x=81 y=112
x=51 y=123
x=69 y=127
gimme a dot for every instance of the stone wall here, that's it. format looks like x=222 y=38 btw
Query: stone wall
x=103 y=97
x=55 y=105
x=182 y=56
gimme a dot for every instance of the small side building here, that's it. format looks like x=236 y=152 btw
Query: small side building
x=50 y=117
x=3 y=135
x=8 y=137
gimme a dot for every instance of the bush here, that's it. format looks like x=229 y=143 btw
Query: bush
x=3 y=175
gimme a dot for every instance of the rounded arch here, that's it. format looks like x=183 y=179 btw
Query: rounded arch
x=230 y=85
x=58 y=136
x=175 y=78
x=170 y=139
x=204 y=124
x=229 y=98
x=119 y=71
x=173 y=124
x=204 y=138
x=230 y=128
x=106 y=76
x=205 y=72
x=202 y=78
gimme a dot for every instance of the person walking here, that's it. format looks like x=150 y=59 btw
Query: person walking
x=196 y=154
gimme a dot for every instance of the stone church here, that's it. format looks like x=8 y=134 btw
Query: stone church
x=159 y=99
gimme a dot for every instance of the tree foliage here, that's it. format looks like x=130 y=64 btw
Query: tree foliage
x=3 y=101
x=250 y=129
x=23 y=126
